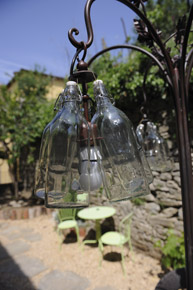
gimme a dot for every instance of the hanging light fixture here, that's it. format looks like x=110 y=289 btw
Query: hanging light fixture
x=146 y=167
x=116 y=150
x=78 y=158
x=83 y=154
x=69 y=145
x=40 y=172
x=65 y=145
x=154 y=146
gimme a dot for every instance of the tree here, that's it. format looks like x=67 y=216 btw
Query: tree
x=124 y=76
x=24 y=114
x=164 y=14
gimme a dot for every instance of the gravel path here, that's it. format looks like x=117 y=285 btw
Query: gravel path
x=30 y=259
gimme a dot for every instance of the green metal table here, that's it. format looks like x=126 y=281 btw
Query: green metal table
x=96 y=213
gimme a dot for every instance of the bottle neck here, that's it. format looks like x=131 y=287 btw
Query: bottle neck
x=71 y=97
x=71 y=105
x=103 y=103
x=101 y=96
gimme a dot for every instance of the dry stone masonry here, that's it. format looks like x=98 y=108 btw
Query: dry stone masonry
x=155 y=213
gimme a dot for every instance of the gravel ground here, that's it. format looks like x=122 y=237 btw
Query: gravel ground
x=141 y=271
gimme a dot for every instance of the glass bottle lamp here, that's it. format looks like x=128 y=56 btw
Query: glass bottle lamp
x=117 y=150
x=40 y=172
x=68 y=137
x=154 y=146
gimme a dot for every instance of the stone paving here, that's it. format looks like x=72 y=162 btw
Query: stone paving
x=18 y=270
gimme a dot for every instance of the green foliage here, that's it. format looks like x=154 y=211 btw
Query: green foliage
x=32 y=83
x=24 y=113
x=124 y=78
x=173 y=251
x=138 y=201
x=164 y=14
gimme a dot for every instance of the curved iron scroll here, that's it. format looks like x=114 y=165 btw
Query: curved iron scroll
x=137 y=48
x=153 y=33
x=88 y=23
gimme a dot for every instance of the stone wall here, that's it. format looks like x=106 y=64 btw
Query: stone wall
x=161 y=211
x=158 y=212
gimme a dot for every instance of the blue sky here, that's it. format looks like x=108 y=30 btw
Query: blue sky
x=35 y=32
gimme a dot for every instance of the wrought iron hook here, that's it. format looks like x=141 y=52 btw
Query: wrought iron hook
x=88 y=23
x=73 y=40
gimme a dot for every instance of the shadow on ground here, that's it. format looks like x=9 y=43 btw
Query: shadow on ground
x=70 y=238
x=112 y=257
x=11 y=275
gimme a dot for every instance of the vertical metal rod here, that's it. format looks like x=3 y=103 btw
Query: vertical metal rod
x=186 y=174
x=85 y=101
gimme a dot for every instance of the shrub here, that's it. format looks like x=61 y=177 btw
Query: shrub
x=173 y=251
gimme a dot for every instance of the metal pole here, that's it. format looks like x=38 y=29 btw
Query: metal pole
x=186 y=175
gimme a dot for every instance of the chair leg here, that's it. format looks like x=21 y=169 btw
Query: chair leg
x=88 y=242
x=130 y=244
x=101 y=248
x=77 y=234
x=123 y=260
x=60 y=239
x=131 y=249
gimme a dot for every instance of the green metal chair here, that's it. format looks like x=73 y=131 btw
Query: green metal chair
x=67 y=221
x=120 y=238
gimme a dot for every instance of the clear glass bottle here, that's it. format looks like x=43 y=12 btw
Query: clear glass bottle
x=120 y=163
x=40 y=172
x=68 y=137
x=154 y=146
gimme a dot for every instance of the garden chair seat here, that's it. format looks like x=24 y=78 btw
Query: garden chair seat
x=113 y=239
x=67 y=221
x=67 y=224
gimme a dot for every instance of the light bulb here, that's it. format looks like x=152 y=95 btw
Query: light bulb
x=90 y=178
